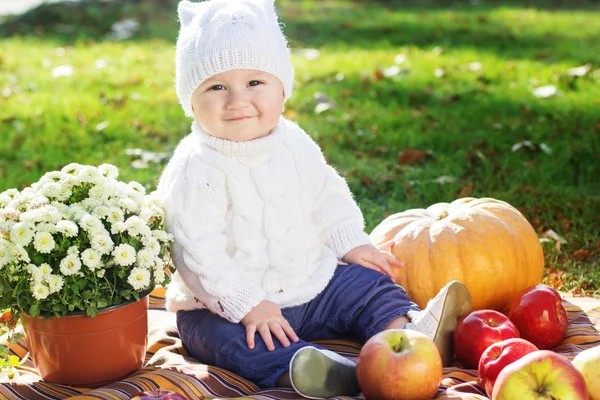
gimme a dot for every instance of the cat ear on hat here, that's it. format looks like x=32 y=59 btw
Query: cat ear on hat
x=187 y=11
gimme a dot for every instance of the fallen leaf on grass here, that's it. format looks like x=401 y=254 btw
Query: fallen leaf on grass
x=465 y=191
x=62 y=70
x=544 y=92
x=309 y=54
x=551 y=235
x=102 y=126
x=581 y=255
x=580 y=71
x=324 y=103
x=413 y=156
x=123 y=29
x=143 y=157
x=400 y=58
x=528 y=145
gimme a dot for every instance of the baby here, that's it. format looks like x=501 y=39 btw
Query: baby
x=270 y=249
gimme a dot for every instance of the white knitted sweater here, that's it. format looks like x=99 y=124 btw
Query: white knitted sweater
x=262 y=219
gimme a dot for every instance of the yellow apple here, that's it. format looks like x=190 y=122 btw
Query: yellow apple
x=588 y=363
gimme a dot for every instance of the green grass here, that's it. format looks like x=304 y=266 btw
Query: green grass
x=467 y=120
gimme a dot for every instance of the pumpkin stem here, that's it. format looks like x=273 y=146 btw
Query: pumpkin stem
x=443 y=215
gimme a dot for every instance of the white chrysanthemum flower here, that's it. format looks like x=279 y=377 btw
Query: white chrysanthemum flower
x=109 y=171
x=64 y=194
x=134 y=225
x=70 y=265
x=90 y=223
x=76 y=212
x=128 y=204
x=22 y=233
x=70 y=181
x=35 y=272
x=145 y=258
x=115 y=214
x=50 y=214
x=89 y=204
x=7 y=226
x=100 y=273
x=4 y=200
x=152 y=245
x=159 y=276
x=11 y=213
x=71 y=169
x=52 y=176
x=138 y=187
x=61 y=207
x=40 y=291
x=124 y=254
x=73 y=251
x=51 y=189
x=91 y=259
x=118 y=227
x=160 y=235
x=10 y=193
x=102 y=243
x=67 y=228
x=55 y=283
x=43 y=242
x=89 y=174
x=100 y=212
x=46 y=227
x=6 y=254
x=45 y=269
x=146 y=214
x=38 y=201
x=99 y=192
x=19 y=253
x=139 y=278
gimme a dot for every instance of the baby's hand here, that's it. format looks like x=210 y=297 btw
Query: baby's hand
x=370 y=257
x=266 y=318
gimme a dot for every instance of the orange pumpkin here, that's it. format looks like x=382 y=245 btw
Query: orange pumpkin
x=485 y=243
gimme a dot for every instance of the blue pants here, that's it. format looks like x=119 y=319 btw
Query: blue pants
x=358 y=302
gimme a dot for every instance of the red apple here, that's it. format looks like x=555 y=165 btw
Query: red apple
x=499 y=355
x=158 y=395
x=588 y=363
x=542 y=374
x=399 y=364
x=476 y=331
x=539 y=314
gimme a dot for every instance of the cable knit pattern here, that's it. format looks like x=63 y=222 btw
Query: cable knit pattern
x=255 y=220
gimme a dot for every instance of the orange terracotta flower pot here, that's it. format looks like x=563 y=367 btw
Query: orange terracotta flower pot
x=83 y=351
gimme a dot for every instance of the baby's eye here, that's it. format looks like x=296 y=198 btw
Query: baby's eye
x=216 y=87
x=254 y=83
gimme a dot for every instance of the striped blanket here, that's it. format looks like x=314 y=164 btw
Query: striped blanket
x=168 y=366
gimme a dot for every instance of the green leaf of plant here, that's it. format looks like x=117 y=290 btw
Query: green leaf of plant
x=14 y=361
x=34 y=310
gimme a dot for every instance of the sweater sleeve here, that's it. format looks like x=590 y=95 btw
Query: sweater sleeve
x=196 y=203
x=336 y=215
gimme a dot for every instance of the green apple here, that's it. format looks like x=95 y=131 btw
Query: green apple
x=588 y=363
x=541 y=375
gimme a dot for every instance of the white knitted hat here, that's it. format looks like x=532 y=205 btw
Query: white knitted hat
x=222 y=35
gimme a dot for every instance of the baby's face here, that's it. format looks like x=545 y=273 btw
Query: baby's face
x=239 y=105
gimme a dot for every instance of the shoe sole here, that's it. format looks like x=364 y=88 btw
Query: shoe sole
x=316 y=376
x=456 y=304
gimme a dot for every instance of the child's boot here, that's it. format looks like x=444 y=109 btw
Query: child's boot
x=438 y=320
x=320 y=374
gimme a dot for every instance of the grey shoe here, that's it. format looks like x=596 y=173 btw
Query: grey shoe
x=439 y=319
x=320 y=374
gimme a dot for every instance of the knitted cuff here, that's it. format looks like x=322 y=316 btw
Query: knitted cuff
x=346 y=238
x=239 y=303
